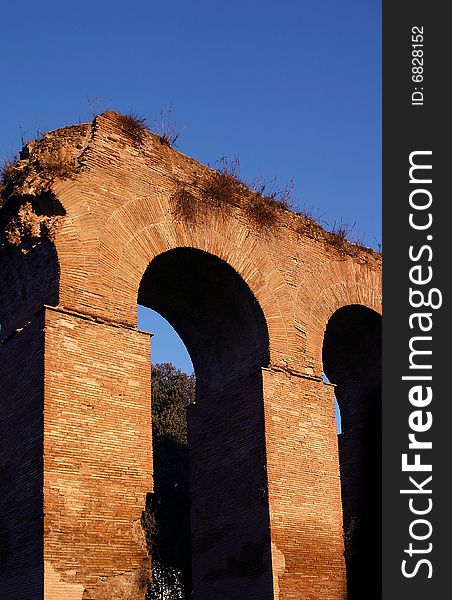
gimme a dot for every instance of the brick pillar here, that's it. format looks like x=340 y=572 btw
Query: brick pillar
x=97 y=465
x=21 y=476
x=231 y=551
x=304 y=488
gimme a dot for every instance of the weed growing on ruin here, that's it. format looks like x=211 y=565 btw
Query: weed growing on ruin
x=97 y=106
x=266 y=198
x=311 y=212
x=10 y=175
x=225 y=183
x=59 y=166
x=186 y=205
x=263 y=199
x=261 y=210
x=7 y=170
x=134 y=127
x=276 y=195
x=342 y=230
x=166 y=128
x=14 y=172
x=338 y=236
x=229 y=167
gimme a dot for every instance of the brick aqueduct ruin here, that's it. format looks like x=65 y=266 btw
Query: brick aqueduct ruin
x=97 y=217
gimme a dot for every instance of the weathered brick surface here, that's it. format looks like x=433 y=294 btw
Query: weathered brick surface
x=304 y=487
x=97 y=403
x=21 y=473
x=266 y=493
x=231 y=542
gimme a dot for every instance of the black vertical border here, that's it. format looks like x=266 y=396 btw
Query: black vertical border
x=408 y=128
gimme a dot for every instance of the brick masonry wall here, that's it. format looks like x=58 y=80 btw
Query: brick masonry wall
x=304 y=488
x=231 y=543
x=97 y=459
x=21 y=452
x=113 y=212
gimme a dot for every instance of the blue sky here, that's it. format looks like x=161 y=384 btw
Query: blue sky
x=291 y=88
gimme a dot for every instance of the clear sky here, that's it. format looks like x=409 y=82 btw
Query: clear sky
x=293 y=88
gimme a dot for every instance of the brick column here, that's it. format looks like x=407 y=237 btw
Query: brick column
x=21 y=442
x=304 y=488
x=97 y=459
x=231 y=551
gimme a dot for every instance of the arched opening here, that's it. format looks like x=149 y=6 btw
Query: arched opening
x=167 y=347
x=166 y=519
x=337 y=410
x=224 y=330
x=352 y=361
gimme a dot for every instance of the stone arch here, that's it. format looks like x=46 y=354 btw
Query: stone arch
x=70 y=245
x=225 y=332
x=129 y=237
x=351 y=354
x=212 y=309
x=328 y=298
x=236 y=248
